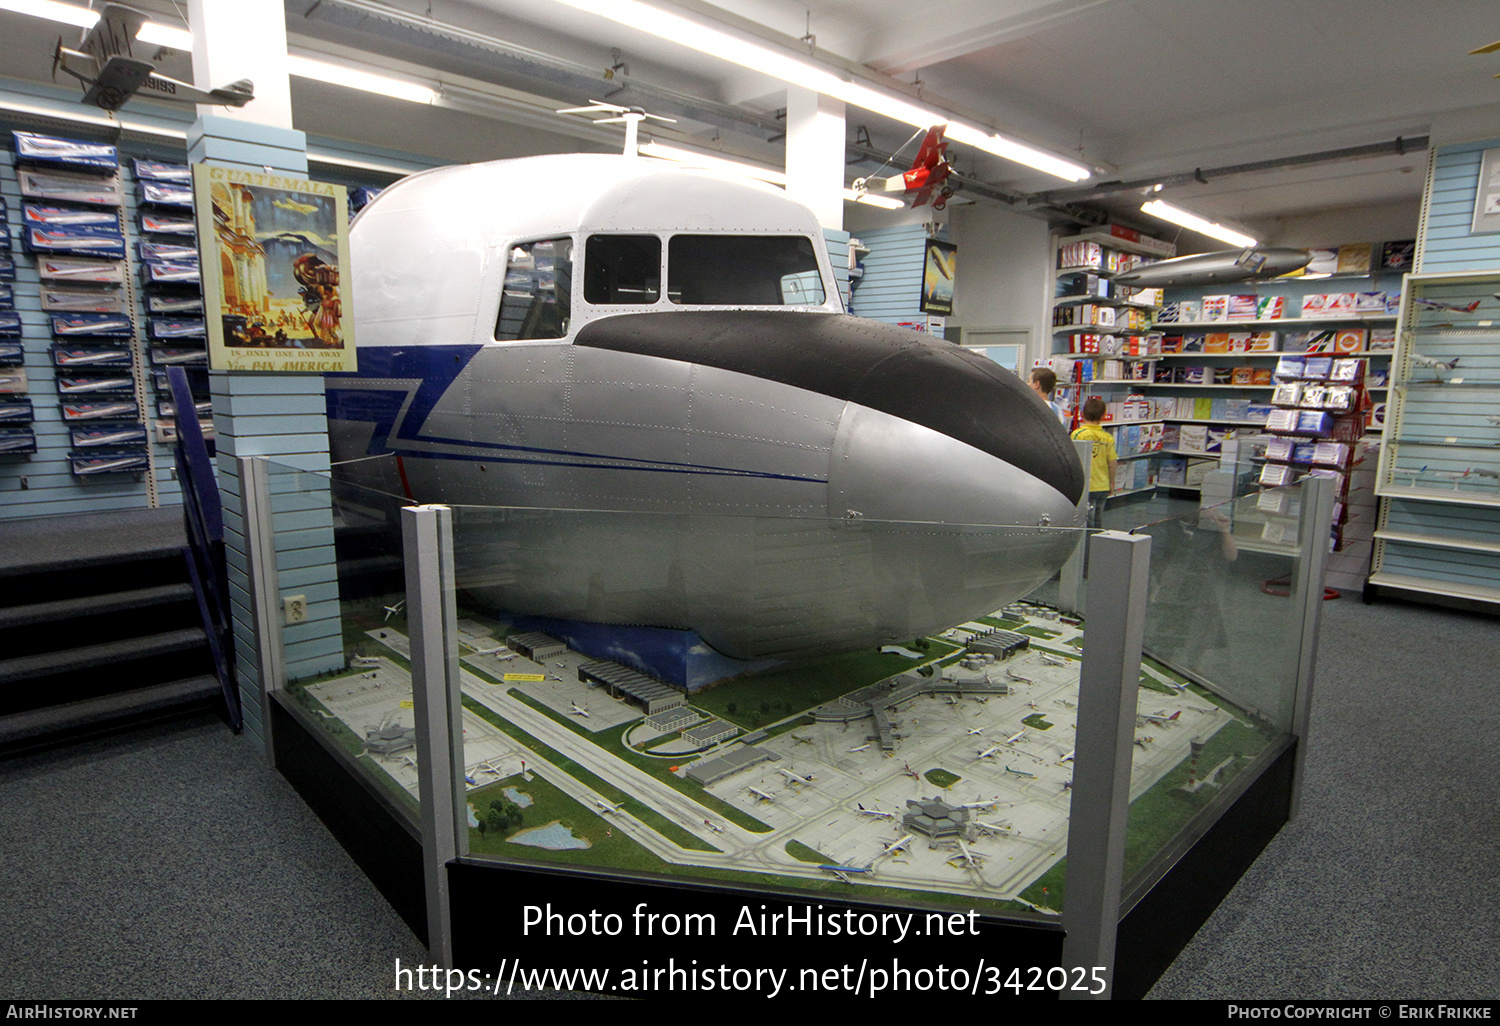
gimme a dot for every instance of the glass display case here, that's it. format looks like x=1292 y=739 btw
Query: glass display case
x=1439 y=481
x=546 y=765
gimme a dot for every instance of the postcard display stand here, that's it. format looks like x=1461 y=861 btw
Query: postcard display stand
x=1439 y=481
x=109 y=373
x=1221 y=354
x=1102 y=339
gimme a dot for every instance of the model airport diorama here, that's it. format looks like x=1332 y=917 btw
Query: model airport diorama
x=938 y=767
x=832 y=509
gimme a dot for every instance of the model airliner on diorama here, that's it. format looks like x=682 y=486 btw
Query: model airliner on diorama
x=657 y=362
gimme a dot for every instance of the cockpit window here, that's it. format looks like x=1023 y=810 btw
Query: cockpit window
x=534 y=302
x=743 y=270
x=622 y=269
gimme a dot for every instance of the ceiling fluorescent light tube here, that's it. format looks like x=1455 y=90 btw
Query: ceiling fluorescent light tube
x=1214 y=230
x=884 y=202
x=306 y=67
x=703 y=160
x=778 y=63
x=158 y=34
x=65 y=13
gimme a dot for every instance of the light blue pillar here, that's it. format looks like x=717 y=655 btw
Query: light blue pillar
x=281 y=416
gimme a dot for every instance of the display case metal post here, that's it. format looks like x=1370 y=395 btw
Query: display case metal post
x=1119 y=567
x=1070 y=577
x=263 y=578
x=432 y=621
x=1313 y=530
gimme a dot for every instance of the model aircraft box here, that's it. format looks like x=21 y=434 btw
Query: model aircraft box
x=10 y=324
x=80 y=270
x=1289 y=368
x=13 y=381
x=1340 y=304
x=1081 y=283
x=113 y=435
x=165 y=222
x=1315 y=304
x=1216 y=342
x=1262 y=342
x=1398 y=256
x=161 y=272
x=108 y=463
x=1354 y=258
x=43 y=216
x=1223 y=375
x=1192 y=375
x=1243 y=376
x=1241 y=308
x=1275 y=475
x=67 y=187
x=166 y=194
x=103 y=409
x=1081 y=255
x=1193 y=343
x=104 y=325
x=1215 y=308
x=1349 y=340
x=12 y=354
x=70 y=356
x=1239 y=342
x=1382 y=340
x=1262 y=376
x=106 y=300
x=1317 y=368
x=1197 y=470
x=171 y=252
x=83 y=241
x=1370 y=302
x=171 y=328
x=160 y=171
x=70 y=154
x=1258 y=412
x=1172 y=471
x=1375 y=417
x=1346 y=371
x=122 y=381
x=14 y=441
x=1193 y=438
x=7 y=269
x=1325 y=260
x=15 y=411
x=1270 y=308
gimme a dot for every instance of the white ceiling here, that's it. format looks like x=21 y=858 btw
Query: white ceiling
x=1137 y=88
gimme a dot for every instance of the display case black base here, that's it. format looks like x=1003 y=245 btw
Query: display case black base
x=1160 y=923
x=374 y=836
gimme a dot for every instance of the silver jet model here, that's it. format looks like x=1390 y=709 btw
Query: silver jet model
x=649 y=368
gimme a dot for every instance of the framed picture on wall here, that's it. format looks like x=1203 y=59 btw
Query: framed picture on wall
x=938 y=268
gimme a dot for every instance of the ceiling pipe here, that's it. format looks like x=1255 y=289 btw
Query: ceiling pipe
x=1202 y=176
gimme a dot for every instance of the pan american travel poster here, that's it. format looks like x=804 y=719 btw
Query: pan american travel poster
x=274 y=254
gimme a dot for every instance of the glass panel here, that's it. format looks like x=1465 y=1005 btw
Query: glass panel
x=743 y=270
x=534 y=302
x=622 y=269
x=821 y=757
x=351 y=684
x=1223 y=643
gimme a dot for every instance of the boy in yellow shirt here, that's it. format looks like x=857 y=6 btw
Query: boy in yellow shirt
x=1102 y=469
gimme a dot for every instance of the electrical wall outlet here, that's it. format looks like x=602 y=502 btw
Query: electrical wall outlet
x=295 y=607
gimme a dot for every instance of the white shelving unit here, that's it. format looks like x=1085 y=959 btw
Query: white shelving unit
x=1439 y=477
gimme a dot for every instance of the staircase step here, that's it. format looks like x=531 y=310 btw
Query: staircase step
x=102 y=656
x=93 y=605
x=27 y=730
